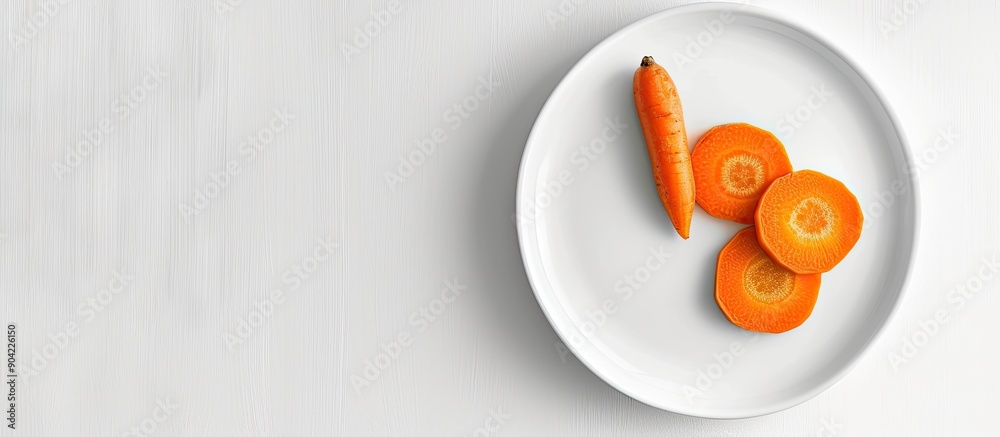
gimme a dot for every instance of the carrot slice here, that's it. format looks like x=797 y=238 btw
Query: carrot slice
x=659 y=109
x=733 y=164
x=808 y=222
x=758 y=295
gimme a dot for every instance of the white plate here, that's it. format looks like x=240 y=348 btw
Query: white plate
x=589 y=217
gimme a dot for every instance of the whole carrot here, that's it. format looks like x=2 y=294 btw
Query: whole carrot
x=662 y=121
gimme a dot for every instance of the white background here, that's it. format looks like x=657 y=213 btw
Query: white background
x=227 y=66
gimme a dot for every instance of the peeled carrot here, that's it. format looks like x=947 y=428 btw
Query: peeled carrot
x=659 y=108
x=757 y=294
x=733 y=164
x=808 y=222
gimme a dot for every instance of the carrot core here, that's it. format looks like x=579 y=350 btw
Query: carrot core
x=742 y=175
x=766 y=281
x=812 y=219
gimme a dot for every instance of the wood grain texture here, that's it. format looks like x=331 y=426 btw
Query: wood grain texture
x=192 y=279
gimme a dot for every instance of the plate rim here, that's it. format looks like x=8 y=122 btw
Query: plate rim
x=905 y=149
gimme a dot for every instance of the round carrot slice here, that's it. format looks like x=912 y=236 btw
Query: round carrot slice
x=808 y=221
x=757 y=294
x=733 y=164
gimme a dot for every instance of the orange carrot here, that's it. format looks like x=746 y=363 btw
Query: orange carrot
x=662 y=121
x=733 y=164
x=808 y=222
x=758 y=295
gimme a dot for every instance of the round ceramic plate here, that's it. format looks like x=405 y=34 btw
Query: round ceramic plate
x=633 y=300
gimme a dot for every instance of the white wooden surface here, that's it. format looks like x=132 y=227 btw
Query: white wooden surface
x=205 y=75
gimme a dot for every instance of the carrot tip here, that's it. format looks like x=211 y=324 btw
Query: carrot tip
x=647 y=61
